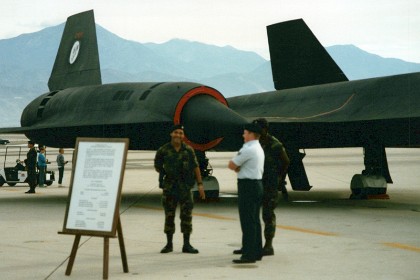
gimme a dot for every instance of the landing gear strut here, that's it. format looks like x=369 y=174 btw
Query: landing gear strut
x=211 y=185
x=296 y=172
x=372 y=183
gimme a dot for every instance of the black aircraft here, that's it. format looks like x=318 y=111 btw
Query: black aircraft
x=314 y=105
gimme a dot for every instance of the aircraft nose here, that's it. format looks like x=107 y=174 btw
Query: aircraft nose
x=206 y=119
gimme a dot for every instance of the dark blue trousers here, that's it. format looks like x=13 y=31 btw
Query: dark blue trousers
x=60 y=174
x=249 y=203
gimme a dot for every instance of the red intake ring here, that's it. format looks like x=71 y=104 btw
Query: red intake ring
x=184 y=100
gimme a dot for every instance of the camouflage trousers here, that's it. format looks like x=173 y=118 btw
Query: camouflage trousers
x=269 y=203
x=170 y=202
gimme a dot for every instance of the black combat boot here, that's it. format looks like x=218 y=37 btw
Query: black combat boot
x=268 y=249
x=168 y=247
x=187 y=248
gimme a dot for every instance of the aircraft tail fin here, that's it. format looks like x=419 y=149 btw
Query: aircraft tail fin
x=297 y=57
x=77 y=61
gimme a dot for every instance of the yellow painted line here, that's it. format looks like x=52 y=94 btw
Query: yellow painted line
x=218 y=217
x=211 y=216
x=307 y=230
x=402 y=246
x=148 y=207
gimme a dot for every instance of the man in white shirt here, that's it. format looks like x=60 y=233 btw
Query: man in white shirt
x=249 y=164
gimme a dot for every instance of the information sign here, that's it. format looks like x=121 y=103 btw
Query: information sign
x=95 y=188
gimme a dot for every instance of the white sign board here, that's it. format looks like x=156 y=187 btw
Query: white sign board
x=96 y=186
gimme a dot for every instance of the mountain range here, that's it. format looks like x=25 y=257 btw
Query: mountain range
x=26 y=62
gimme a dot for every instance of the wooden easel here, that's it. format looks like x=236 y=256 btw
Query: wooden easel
x=106 y=251
x=106 y=215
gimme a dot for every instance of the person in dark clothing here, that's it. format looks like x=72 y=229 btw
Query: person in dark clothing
x=30 y=163
x=276 y=164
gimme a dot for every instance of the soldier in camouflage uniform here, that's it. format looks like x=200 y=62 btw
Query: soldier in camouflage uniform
x=177 y=161
x=275 y=169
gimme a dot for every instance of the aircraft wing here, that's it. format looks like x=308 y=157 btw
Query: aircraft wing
x=341 y=114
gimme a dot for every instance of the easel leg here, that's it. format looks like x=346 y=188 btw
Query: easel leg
x=122 y=246
x=106 y=257
x=73 y=254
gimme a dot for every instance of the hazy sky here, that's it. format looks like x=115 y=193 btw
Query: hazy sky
x=390 y=28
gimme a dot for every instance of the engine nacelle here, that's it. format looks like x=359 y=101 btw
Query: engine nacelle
x=143 y=112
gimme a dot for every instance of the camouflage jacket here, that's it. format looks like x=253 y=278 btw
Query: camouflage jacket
x=177 y=166
x=272 y=151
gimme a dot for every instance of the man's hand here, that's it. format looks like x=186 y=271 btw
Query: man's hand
x=201 y=191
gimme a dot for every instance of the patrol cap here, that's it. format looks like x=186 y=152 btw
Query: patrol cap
x=177 y=126
x=262 y=122
x=253 y=127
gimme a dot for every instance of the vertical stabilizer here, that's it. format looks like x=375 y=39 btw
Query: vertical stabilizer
x=297 y=57
x=77 y=61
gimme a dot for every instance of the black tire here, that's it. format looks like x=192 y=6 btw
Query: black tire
x=11 y=184
x=2 y=181
x=48 y=183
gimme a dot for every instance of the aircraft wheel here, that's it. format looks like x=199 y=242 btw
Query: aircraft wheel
x=49 y=183
x=11 y=184
x=2 y=181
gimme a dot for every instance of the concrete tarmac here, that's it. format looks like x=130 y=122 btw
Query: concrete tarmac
x=321 y=234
